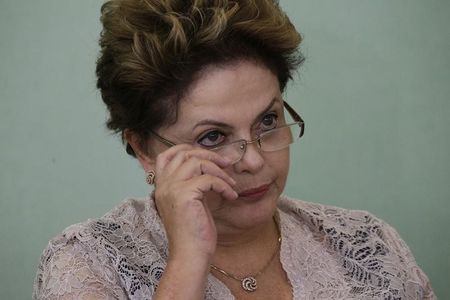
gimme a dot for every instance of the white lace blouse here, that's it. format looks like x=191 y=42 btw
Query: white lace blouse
x=326 y=252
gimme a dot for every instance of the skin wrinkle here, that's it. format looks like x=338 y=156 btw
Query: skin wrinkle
x=210 y=122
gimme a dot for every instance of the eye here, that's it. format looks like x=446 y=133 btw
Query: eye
x=211 y=139
x=269 y=122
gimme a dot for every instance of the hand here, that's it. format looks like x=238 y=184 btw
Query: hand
x=184 y=175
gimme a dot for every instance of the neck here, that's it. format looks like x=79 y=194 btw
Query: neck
x=241 y=241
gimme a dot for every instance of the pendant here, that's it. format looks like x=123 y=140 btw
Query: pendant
x=249 y=284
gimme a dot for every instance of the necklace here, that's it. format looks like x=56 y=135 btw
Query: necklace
x=249 y=283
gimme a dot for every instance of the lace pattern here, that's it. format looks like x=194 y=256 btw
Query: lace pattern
x=327 y=253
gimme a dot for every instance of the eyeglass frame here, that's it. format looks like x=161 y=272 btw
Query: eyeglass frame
x=295 y=116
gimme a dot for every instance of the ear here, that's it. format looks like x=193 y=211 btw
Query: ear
x=140 y=148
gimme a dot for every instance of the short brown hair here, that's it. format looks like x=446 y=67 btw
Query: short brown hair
x=152 y=51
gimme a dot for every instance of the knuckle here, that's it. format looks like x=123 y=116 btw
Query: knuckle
x=161 y=157
x=187 y=155
x=204 y=165
x=207 y=176
x=210 y=178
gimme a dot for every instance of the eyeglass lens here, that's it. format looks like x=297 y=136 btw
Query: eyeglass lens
x=272 y=140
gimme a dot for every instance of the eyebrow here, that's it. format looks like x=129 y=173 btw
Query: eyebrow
x=224 y=125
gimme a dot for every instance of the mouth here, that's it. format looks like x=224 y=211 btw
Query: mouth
x=255 y=193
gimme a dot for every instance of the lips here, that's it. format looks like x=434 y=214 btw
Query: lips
x=255 y=192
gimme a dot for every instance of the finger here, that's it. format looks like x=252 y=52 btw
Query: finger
x=206 y=183
x=208 y=155
x=167 y=156
x=169 y=161
x=196 y=167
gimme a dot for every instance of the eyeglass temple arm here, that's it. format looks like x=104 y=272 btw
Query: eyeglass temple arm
x=161 y=139
x=292 y=112
x=295 y=116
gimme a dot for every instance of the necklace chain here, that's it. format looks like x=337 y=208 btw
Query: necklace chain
x=249 y=283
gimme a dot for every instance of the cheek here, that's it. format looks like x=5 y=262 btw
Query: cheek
x=283 y=162
x=279 y=163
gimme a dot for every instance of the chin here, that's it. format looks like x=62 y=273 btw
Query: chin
x=247 y=213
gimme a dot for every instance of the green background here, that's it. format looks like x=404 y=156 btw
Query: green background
x=374 y=93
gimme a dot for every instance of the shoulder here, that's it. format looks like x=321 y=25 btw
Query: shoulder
x=371 y=252
x=315 y=214
x=328 y=221
x=339 y=226
x=118 y=250
x=332 y=221
x=123 y=224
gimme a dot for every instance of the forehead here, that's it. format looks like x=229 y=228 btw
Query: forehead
x=229 y=92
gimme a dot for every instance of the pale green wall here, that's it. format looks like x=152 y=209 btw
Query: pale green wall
x=374 y=93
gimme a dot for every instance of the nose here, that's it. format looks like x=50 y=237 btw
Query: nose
x=251 y=160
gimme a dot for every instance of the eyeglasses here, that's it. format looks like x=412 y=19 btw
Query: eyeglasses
x=269 y=141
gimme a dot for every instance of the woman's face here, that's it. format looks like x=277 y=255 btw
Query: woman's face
x=229 y=103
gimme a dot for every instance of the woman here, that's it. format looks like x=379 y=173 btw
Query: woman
x=195 y=88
